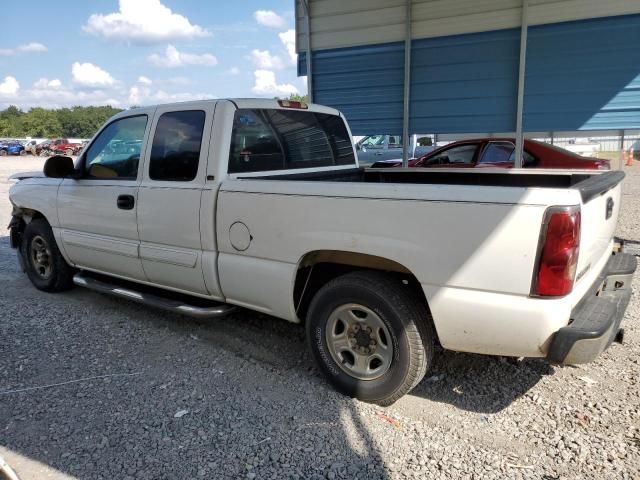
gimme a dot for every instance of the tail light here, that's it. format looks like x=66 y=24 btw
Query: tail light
x=293 y=104
x=558 y=252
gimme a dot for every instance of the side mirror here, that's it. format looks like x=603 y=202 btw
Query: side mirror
x=58 y=166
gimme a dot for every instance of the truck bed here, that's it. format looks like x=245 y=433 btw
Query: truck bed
x=588 y=183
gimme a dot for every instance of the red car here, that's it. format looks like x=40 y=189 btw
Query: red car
x=500 y=153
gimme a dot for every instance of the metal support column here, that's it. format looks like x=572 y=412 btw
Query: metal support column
x=407 y=86
x=621 y=155
x=307 y=17
x=521 y=72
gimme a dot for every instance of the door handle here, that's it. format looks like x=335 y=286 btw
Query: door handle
x=126 y=202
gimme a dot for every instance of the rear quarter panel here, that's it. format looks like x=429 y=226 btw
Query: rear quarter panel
x=469 y=238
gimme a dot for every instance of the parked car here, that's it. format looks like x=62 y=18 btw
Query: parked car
x=11 y=147
x=62 y=146
x=263 y=205
x=500 y=153
x=374 y=148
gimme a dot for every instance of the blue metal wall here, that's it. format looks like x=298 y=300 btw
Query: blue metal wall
x=365 y=83
x=465 y=83
x=584 y=75
x=581 y=75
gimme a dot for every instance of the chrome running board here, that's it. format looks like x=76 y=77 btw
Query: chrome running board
x=176 y=306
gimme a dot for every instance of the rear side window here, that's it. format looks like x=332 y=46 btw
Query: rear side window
x=265 y=140
x=175 y=151
x=496 y=152
x=501 y=152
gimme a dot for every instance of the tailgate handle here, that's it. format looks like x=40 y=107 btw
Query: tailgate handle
x=126 y=202
x=609 y=211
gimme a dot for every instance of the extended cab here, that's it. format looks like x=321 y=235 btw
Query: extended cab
x=199 y=207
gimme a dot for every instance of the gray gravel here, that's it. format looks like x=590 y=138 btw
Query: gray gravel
x=240 y=398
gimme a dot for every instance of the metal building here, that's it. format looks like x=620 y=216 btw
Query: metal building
x=474 y=66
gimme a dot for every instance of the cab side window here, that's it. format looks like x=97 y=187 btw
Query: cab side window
x=175 y=152
x=115 y=153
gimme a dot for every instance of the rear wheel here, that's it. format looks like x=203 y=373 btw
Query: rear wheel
x=45 y=266
x=68 y=152
x=3 y=153
x=371 y=336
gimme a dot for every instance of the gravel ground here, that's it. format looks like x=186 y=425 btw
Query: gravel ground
x=151 y=395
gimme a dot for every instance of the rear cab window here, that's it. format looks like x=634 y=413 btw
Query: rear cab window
x=270 y=139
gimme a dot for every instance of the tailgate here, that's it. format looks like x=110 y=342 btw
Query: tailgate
x=600 y=207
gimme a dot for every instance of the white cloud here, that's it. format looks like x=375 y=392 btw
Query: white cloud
x=263 y=59
x=32 y=47
x=53 y=94
x=288 y=39
x=144 y=80
x=9 y=86
x=143 y=95
x=233 y=71
x=143 y=21
x=265 y=84
x=172 y=58
x=46 y=83
x=178 y=81
x=90 y=75
x=269 y=18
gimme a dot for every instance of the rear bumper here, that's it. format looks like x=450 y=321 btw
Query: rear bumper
x=596 y=320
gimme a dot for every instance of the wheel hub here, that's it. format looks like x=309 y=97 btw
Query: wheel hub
x=359 y=341
x=362 y=339
x=40 y=256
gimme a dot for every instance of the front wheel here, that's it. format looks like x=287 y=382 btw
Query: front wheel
x=44 y=264
x=371 y=335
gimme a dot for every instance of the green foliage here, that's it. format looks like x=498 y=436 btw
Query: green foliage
x=294 y=97
x=76 y=122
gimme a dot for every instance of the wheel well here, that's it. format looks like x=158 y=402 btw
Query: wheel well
x=317 y=268
x=21 y=217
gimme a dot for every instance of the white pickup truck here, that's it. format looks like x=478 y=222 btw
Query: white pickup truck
x=199 y=207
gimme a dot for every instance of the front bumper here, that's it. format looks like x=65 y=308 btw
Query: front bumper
x=596 y=320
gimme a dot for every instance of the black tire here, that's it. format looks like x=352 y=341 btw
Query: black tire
x=406 y=318
x=58 y=276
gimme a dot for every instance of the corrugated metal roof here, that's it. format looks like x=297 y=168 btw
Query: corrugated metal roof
x=348 y=23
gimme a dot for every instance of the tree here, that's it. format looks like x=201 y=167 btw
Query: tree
x=76 y=122
x=295 y=97
x=39 y=122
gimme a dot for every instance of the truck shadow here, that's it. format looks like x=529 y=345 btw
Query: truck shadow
x=235 y=398
x=480 y=383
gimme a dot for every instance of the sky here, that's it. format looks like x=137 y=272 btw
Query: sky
x=141 y=52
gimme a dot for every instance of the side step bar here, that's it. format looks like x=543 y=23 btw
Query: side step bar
x=176 y=306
